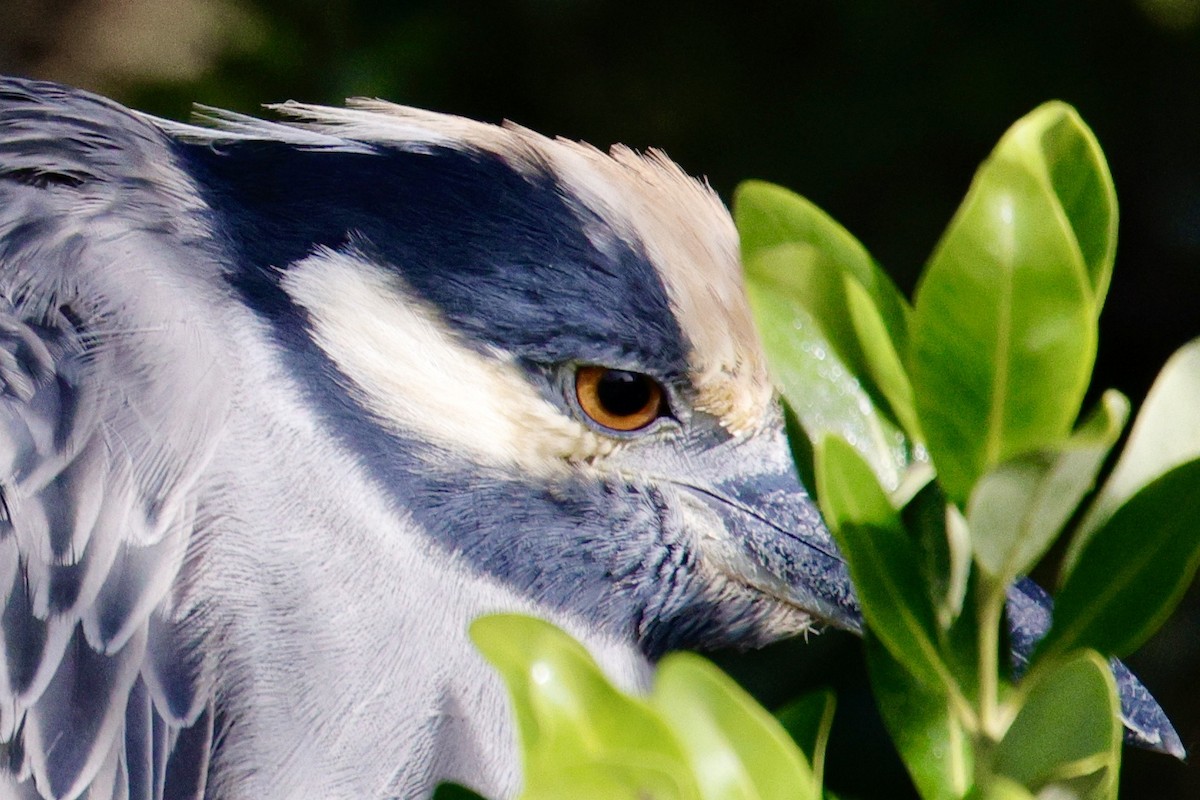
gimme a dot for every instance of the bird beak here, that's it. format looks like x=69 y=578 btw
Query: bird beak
x=773 y=537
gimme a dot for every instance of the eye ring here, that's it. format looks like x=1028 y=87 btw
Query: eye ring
x=618 y=399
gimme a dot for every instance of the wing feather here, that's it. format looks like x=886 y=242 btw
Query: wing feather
x=175 y=670
x=138 y=581
x=111 y=782
x=32 y=649
x=112 y=397
x=73 y=726
x=187 y=770
x=139 y=744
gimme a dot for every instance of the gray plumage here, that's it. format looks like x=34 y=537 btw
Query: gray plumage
x=286 y=405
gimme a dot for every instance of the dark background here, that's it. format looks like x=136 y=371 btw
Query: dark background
x=877 y=111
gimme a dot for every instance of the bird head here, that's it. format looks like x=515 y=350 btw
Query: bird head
x=543 y=353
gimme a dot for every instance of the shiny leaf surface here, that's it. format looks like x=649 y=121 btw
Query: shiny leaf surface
x=883 y=561
x=735 y=748
x=769 y=216
x=823 y=394
x=1039 y=749
x=1019 y=507
x=1004 y=329
x=573 y=723
x=1165 y=434
x=935 y=748
x=1133 y=570
x=882 y=361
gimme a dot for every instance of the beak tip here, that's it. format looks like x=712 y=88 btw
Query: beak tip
x=1146 y=724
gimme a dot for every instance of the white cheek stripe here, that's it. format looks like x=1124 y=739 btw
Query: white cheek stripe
x=410 y=370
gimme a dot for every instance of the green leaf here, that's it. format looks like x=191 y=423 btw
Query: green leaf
x=883 y=561
x=736 y=749
x=809 y=720
x=1133 y=569
x=1018 y=508
x=882 y=362
x=917 y=476
x=803 y=274
x=601 y=779
x=1165 y=434
x=958 y=540
x=794 y=249
x=573 y=724
x=1004 y=332
x=1093 y=785
x=768 y=216
x=848 y=489
x=801 y=448
x=940 y=535
x=1068 y=727
x=935 y=748
x=1000 y=788
x=1083 y=185
x=960 y=643
x=819 y=388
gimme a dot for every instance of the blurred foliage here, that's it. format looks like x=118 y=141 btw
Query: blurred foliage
x=696 y=736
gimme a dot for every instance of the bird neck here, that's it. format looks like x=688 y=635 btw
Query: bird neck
x=386 y=695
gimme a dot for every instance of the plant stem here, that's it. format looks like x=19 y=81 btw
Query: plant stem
x=991 y=720
x=990 y=611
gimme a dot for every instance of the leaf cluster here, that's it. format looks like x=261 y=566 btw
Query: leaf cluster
x=979 y=382
x=696 y=736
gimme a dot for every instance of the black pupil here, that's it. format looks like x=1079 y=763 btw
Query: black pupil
x=623 y=393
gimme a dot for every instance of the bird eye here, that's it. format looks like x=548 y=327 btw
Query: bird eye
x=619 y=400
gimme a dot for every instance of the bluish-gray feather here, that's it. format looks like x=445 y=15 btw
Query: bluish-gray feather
x=139 y=743
x=77 y=715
